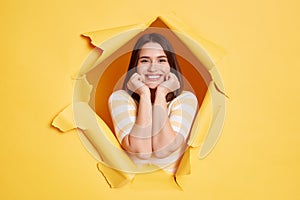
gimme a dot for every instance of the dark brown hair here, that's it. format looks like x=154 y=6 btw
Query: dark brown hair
x=171 y=56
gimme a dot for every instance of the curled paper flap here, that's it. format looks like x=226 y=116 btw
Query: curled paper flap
x=216 y=125
x=110 y=40
x=114 y=178
x=64 y=121
x=102 y=138
x=184 y=168
x=90 y=61
x=109 y=154
x=83 y=90
x=217 y=117
x=208 y=123
x=207 y=52
x=202 y=120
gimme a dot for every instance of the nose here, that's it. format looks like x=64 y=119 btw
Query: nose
x=152 y=67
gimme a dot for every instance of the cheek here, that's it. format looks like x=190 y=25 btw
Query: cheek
x=140 y=70
x=167 y=70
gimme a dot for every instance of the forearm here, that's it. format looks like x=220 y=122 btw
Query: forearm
x=139 y=140
x=164 y=139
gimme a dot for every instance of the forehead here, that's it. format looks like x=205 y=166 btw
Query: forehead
x=152 y=49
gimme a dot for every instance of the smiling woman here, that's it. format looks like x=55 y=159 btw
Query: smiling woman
x=152 y=115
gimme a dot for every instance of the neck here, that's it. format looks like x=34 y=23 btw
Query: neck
x=152 y=91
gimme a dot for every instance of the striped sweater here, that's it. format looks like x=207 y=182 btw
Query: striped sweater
x=181 y=112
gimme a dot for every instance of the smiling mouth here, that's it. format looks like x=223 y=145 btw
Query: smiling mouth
x=153 y=77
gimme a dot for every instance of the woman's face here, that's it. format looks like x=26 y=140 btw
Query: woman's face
x=153 y=64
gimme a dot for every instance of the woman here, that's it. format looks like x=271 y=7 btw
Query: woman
x=152 y=116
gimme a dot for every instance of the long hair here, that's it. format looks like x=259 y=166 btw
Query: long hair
x=171 y=56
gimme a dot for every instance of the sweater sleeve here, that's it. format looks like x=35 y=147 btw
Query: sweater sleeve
x=182 y=111
x=123 y=110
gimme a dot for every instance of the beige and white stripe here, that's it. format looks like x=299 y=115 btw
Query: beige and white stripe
x=181 y=112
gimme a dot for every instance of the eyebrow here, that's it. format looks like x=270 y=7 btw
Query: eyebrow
x=162 y=56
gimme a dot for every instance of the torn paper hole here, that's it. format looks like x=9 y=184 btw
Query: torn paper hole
x=103 y=72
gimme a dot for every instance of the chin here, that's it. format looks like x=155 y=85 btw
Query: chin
x=152 y=85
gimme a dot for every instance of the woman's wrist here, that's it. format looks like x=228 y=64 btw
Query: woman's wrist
x=145 y=94
x=162 y=91
x=160 y=96
x=144 y=91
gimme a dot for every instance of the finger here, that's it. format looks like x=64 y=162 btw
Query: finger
x=137 y=75
x=134 y=75
x=174 y=77
x=135 y=79
x=140 y=78
x=167 y=77
x=128 y=86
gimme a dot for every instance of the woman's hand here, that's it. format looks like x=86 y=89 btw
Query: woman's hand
x=170 y=84
x=135 y=84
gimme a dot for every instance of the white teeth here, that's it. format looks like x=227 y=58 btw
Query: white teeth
x=153 y=76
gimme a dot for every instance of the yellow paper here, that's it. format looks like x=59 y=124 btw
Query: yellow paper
x=257 y=154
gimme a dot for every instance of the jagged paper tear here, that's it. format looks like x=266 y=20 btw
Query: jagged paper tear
x=206 y=128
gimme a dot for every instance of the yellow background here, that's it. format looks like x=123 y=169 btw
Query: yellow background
x=258 y=154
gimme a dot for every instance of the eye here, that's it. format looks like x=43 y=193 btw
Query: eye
x=162 y=60
x=144 y=60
